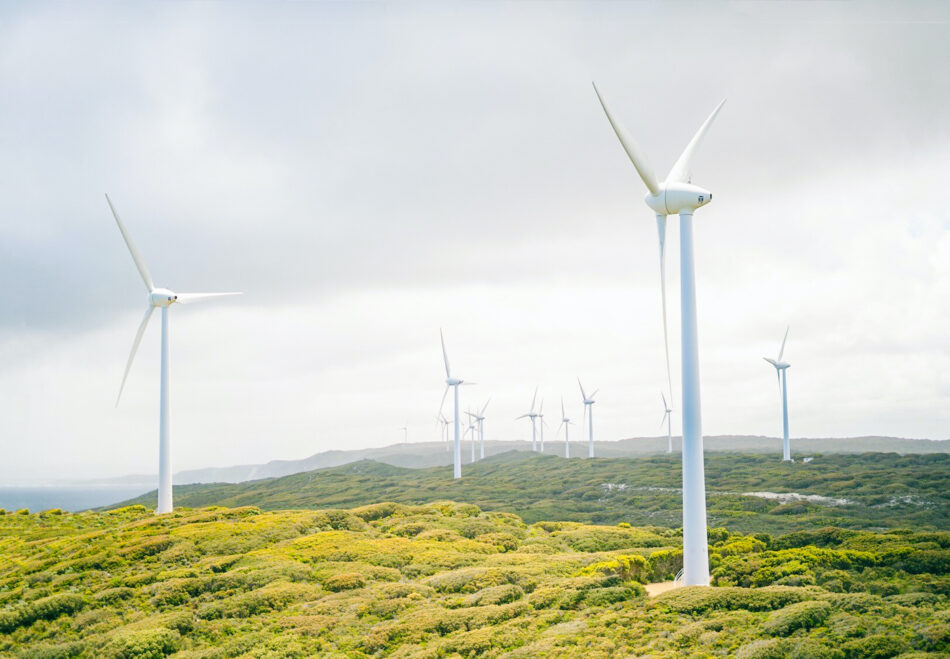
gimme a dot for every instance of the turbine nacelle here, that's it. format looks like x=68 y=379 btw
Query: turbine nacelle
x=451 y=382
x=675 y=198
x=161 y=297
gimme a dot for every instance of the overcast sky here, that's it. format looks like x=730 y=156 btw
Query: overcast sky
x=368 y=173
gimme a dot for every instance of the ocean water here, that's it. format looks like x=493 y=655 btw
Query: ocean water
x=71 y=498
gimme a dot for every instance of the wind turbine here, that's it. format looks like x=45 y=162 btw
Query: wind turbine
x=164 y=298
x=480 y=421
x=532 y=415
x=780 y=368
x=589 y=413
x=675 y=195
x=454 y=383
x=471 y=429
x=445 y=429
x=565 y=423
x=541 y=424
x=666 y=419
x=405 y=437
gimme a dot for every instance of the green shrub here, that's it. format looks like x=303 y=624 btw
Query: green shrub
x=631 y=567
x=494 y=595
x=45 y=608
x=665 y=563
x=878 y=646
x=801 y=615
x=143 y=644
x=113 y=595
x=345 y=581
x=696 y=599
x=55 y=651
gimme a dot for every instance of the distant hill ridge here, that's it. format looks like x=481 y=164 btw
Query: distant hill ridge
x=432 y=454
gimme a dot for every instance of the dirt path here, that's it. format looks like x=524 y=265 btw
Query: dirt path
x=654 y=589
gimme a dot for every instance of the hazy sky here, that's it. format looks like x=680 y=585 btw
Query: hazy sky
x=368 y=173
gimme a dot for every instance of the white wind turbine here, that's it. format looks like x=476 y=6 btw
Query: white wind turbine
x=479 y=419
x=666 y=419
x=164 y=298
x=541 y=424
x=405 y=437
x=454 y=383
x=472 y=426
x=780 y=368
x=677 y=195
x=445 y=430
x=533 y=416
x=589 y=414
x=565 y=423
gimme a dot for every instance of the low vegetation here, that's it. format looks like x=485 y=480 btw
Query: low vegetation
x=866 y=491
x=452 y=580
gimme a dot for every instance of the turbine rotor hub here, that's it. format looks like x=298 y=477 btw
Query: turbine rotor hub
x=675 y=198
x=162 y=297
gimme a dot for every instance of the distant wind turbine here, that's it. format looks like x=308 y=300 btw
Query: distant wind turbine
x=533 y=416
x=445 y=430
x=666 y=419
x=675 y=195
x=541 y=424
x=164 y=298
x=589 y=414
x=565 y=423
x=472 y=427
x=454 y=383
x=780 y=368
x=480 y=421
x=405 y=438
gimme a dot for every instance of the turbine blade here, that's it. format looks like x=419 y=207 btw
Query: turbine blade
x=663 y=420
x=482 y=413
x=523 y=416
x=594 y=394
x=583 y=395
x=562 y=407
x=661 y=231
x=468 y=384
x=782 y=351
x=771 y=361
x=445 y=355
x=188 y=298
x=136 y=256
x=135 y=347
x=534 y=398
x=636 y=155
x=442 y=404
x=680 y=172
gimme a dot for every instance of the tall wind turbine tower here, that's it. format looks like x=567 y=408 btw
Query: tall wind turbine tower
x=162 y=298
x=589 y=414
x=445 y=430
x=533 y=416
x=666 y=419
x=780 y=368
x=677 y=195
x=565 y=423
x=454 y=384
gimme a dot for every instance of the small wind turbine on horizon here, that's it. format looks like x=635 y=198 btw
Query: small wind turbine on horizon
x=405 y=430
x=445 y=429
x=666 y=419
x=589 y=416
x=565 y=423
x=541 y=424
x=480 y=421
x=533 y=416
x=454 y=383
x=780 y=368
x=677 y=195
x=163 y=298
x=472 y=426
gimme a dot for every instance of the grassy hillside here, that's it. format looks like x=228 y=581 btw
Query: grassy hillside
x=447 y=579
x=875 y=490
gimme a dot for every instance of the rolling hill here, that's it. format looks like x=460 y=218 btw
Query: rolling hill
x=744 y=492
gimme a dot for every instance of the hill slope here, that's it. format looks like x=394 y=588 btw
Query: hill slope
x=859 y=491
x=450 y=580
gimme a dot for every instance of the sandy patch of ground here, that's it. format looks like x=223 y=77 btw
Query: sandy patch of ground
x=654 y=589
